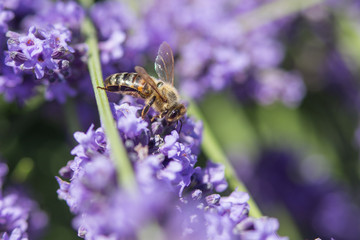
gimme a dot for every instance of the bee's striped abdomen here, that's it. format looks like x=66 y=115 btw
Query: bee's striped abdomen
x=128 y=83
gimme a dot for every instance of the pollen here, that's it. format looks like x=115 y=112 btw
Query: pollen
x=29 y=42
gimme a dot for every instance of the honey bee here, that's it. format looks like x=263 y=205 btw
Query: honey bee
x=158 y=93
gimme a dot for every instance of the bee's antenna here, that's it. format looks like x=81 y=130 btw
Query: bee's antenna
x=181 y=123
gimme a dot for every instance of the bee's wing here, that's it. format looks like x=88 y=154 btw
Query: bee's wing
x=144 y=75
x=164 y=63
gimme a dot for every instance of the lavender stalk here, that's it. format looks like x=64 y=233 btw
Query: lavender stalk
x=125 y=172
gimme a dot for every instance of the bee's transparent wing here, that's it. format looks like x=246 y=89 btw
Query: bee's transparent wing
x=144 y=75
x=164 y=63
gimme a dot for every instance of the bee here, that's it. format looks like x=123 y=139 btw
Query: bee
x=157 y=93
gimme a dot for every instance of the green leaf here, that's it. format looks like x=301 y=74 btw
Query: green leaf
x=118 y=153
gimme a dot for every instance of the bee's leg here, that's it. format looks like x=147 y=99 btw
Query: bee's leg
x=161 y=115
x=108 y=89
x=147 y=107
x=154 y=117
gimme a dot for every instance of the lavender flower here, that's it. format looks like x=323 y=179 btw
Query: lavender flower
x=172 y=191
x=20 y=215
x=44 y=51
x=39 y=51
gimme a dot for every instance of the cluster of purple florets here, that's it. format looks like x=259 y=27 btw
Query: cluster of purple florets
x=43 y=52
x=20 y=216
x=173 y=192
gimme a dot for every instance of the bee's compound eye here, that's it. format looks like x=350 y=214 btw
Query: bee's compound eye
x=174 y=113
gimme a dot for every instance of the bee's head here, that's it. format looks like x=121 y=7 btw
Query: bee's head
x=175 y=113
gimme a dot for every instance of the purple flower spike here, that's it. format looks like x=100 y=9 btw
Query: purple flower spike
x=42 y=54
x=45 y=51
x=171 y=191
x=35 y=50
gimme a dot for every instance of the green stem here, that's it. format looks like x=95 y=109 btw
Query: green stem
x=118 y=153
x=273 y=11
x=213 y=150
